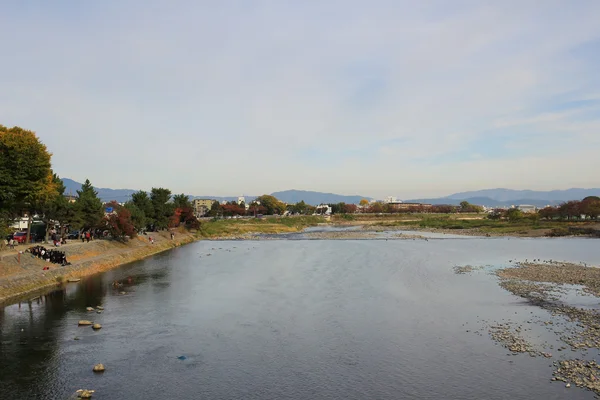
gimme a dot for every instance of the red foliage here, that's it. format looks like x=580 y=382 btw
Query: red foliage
x=119 y=222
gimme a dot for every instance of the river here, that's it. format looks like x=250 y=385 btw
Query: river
x=289 y=319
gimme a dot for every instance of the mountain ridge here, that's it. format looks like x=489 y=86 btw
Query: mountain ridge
x=499 y=197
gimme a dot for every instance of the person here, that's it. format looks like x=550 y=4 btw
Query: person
x=82 y=237
x=87 y=236
x=172 y=236
x=11 y=243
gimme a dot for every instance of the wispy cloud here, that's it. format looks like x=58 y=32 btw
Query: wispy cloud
x=393 y=97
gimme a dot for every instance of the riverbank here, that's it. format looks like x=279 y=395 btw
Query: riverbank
x=472 y=225
x=22 y=275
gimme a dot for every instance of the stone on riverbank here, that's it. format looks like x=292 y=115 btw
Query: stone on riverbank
x=89 y=308
x=85 y=322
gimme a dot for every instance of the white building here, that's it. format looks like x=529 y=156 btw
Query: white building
x=526 y=208
x=391 y=199
x=241 y=200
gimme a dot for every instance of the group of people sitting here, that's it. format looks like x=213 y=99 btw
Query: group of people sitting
x=53 y=256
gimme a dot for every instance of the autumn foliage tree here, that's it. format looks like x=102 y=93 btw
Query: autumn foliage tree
x=119 y=223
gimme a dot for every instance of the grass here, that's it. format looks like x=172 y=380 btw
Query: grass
x=484 y=225
x=236 y=227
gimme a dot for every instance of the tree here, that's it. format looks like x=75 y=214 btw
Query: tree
x=181 y=201
x=215 y=210
x=514 y=214
x=364 y=202
x=24 y=173
x=138 y=218
x=142 y=202
x=89 y=206
x=590 y=206
x=271 y=204
x=119 y=223
x=163 y=210
x=54 y=208
x=349 y=208
x=549 y=212
x=24 y=167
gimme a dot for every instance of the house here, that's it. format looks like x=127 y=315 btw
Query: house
x=527 y=208
x=414 y=207
x=202 y=206
x=70 y=198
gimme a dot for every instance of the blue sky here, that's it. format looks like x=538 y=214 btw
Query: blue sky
x=402 y=98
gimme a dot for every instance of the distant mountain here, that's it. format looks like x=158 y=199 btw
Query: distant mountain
x=509 y=195
x=316 y=198
x=122 y=195
x=105 y=194
x=484 y=201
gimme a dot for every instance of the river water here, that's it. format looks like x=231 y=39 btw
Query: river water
x=289 y=319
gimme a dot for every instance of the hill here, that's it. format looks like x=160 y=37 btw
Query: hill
x=316 y=198
x=484 y=201
x=510 y=195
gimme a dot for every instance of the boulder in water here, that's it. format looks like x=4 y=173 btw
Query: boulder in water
x=85 y=322
x=96 y=327
x=99 y=368
x=99 y=308
x=89 y=308
x=85 y=393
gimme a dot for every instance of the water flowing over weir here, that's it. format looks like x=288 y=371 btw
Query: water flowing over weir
x=293 y=319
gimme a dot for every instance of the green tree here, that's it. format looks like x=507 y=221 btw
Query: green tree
x=138 y=218
x=182 y=201
x=514 y=214
x=142 y=201
x=163 y=210
x=88 y=206
x=54 y=208
x=271 y=204
x=25 y=173
x=215 y=210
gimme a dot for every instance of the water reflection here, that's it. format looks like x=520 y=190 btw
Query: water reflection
x=286 y=319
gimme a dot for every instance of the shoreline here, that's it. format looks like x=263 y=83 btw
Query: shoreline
x=22 y=286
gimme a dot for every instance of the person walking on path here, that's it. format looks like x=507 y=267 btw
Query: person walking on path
x=87 y=236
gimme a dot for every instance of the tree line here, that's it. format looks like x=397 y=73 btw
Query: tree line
x=29 y=186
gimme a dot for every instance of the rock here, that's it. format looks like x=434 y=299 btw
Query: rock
x=89 y=308
x=99 y=368
x=568 y=385
x=100 y=308
x=85 y=393
x=85 y=322
x=99 y=311
x=76 y=338
x=96 y=327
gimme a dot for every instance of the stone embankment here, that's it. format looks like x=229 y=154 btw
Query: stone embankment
x=22 y=275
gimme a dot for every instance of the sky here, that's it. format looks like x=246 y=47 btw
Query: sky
x=380 y=98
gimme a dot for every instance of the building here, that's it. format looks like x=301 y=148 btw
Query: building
x=391 y=199
x=70 y=198
x=527 y=208
x=411 y=207
x=202 y=206
x=241 y=200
